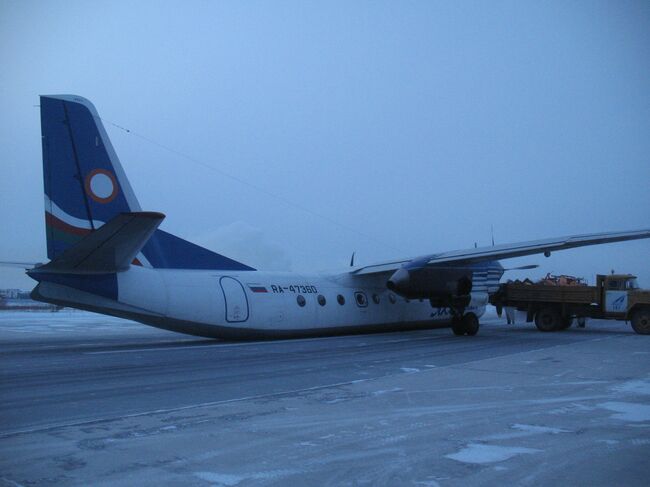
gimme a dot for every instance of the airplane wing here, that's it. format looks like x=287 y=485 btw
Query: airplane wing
x=506 y=251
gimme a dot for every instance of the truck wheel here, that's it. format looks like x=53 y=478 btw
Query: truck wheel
x=641 y=321
x=548 y=319
x=470 y=323
x=457 y=326
x=566 y=323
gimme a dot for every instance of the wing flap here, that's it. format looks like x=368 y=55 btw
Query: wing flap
x=111 y=248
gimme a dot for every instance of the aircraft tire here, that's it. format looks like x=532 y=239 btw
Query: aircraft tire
x=457 y=326
x=641 y=321
x=470 y=323
x=548 y=319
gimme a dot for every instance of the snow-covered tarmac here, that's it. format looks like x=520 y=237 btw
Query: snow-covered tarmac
x=91 y=400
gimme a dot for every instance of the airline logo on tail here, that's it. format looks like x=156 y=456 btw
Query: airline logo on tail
x=101 y=186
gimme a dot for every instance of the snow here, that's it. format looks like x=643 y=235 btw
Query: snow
x=220 y=478
x=499 y=417
x=66 y=321
x=387 y=391
x=610 y=442
x=523 y=431
x=628 y=411
x=224 y=479
x=539 y=429
x=480 y=453
x=634 y=387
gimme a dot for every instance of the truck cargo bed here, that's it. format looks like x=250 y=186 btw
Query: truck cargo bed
x=552 y=294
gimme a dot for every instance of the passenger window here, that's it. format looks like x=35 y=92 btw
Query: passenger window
x=340 y=299
x=301 y=300
x=321 y=300
x=361 y=299
x=392 y=298
x=375 y=298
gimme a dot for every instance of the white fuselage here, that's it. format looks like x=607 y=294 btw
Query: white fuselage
x=271 y=304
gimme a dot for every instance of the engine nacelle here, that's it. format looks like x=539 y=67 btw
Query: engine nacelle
x=431 y=283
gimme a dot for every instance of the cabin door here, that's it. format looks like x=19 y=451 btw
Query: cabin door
x=235 y=299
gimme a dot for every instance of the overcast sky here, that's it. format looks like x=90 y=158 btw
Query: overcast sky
x=415 y=126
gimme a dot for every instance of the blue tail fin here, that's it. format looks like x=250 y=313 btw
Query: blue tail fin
x=85 y=186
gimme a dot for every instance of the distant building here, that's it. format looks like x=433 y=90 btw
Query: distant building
x=19 y=300
x=12 y=293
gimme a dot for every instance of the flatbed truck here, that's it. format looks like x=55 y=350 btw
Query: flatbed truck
x=553 y=308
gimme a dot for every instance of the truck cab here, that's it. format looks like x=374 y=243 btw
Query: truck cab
x=614 y=292
x=622 y=299
x=617 y=282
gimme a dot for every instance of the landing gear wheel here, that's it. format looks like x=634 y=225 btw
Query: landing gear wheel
x=470 y=323
x=641 y=321
x=467 y=325
x=548 y=319
x=457 y=326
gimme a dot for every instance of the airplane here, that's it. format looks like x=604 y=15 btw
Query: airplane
x=108 y=256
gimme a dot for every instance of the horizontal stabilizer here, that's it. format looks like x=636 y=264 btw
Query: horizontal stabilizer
x=111 y=248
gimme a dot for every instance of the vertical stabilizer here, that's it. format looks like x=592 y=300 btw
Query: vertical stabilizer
x=85 y=185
